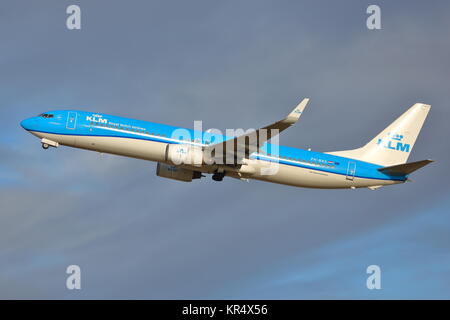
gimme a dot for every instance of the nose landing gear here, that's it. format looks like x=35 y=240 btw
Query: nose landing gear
x=46 y=143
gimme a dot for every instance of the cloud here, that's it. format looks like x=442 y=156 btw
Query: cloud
x=338 y=270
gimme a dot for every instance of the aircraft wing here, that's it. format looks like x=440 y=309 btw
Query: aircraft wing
x=242 y=146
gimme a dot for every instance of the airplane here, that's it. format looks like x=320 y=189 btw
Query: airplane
x=186 y=154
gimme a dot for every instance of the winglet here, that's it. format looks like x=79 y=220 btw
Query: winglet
x=297 y=112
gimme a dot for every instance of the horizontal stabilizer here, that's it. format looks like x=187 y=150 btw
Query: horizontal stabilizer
x=405 y=168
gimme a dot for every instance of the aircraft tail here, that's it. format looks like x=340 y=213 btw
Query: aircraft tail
x=394 y=144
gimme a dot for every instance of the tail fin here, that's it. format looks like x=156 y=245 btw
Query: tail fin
x=394 y=144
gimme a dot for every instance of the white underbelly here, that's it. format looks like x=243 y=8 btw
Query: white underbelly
x=135 y=148
x=310 y=178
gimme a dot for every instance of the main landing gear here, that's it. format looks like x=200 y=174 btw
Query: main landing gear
x=218 y=176
x=45 y=146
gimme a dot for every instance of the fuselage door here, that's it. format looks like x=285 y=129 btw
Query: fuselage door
x=351 y=170
x=71 y=120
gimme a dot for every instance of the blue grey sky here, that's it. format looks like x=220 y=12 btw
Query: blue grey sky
x=232 y=64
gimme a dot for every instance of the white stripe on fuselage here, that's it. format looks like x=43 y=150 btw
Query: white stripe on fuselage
x=254 y=154
x=149 y=135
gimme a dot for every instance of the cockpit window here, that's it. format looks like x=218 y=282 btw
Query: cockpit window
x=46 y=115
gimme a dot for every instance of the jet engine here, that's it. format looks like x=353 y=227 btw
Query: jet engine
x=176 y=173
x=180 y=154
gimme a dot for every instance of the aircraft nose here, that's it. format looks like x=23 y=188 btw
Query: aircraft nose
x=27 y=124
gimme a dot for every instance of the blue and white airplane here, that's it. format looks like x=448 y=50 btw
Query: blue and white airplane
x=185 y=154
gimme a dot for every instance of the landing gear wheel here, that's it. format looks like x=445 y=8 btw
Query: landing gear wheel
x=218 y=176
x=45 y=146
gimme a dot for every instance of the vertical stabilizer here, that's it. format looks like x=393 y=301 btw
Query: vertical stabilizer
x=394 y=144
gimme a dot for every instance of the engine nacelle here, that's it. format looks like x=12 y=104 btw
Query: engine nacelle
x=176 y=173
x=180 y=154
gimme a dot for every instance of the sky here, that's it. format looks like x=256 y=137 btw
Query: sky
x=231 y=64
